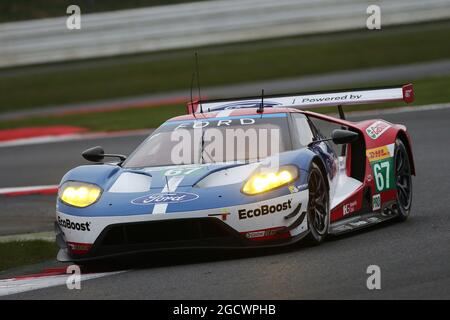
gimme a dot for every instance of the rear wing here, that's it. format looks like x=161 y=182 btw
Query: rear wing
x=340 y=98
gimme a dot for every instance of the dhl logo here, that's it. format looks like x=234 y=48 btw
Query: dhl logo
x=379 y=153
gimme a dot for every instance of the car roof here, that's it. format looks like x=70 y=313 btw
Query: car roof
x=232 y=113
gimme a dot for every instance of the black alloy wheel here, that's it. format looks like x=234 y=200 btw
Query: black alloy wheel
x=403 y=180
x=318 y=206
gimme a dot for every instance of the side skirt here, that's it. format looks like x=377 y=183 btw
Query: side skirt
x=358 y=222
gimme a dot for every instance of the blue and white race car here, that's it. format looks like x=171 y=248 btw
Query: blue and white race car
x=229 y=177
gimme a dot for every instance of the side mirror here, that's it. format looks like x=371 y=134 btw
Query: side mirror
x=97 y=154
x=340 y=136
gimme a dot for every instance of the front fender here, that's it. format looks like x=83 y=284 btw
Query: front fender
x=100 y=175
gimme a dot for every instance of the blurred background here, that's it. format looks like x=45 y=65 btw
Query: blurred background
x=130 y=67
x=135 y=59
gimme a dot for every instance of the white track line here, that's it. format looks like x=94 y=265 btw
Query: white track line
x=19 y=285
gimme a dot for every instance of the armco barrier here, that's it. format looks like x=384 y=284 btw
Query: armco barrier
x=196 y=24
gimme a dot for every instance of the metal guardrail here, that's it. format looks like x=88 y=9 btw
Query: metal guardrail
x=197 y=24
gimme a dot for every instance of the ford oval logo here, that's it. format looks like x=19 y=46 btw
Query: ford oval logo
x=167 y=197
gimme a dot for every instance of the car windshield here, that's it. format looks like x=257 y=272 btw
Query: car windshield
x=213 y=140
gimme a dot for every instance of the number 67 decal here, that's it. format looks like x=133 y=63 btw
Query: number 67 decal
x=181 y=171
x=383 y=172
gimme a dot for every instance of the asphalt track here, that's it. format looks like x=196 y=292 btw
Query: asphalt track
x=414 y=256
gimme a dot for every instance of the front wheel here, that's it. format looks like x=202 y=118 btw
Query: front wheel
x=318 y=206
x=403 y=180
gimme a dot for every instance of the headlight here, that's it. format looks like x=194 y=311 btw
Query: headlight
x=264 y=181
x=79 y=194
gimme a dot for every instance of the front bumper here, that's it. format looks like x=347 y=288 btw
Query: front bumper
x=87 y=238
x=181 y=234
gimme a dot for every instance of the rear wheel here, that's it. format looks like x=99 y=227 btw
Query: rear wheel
x=403 y=180
x=318 y=206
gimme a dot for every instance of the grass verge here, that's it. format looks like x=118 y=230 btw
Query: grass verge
x=72 y=82
x=427 y=91
x=20 y=253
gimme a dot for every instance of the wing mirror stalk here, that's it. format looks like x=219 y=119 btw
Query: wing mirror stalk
x=339 y=136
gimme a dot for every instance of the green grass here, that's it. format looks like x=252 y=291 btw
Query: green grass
x=20 y=253
x=433 y=90
x=154 y=73
x=14 y=10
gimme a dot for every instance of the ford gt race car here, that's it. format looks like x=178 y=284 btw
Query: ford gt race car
x=241 y=173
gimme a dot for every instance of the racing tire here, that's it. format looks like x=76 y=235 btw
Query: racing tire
x=318 y=211
x=403 y=180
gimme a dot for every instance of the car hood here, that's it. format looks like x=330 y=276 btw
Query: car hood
x=185 y=175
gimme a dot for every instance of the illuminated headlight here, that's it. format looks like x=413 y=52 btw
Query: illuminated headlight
x=263 y=181
x=79 y=194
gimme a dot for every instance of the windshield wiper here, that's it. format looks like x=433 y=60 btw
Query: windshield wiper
x=202 y=150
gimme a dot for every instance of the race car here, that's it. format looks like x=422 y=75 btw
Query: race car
x=241 y=173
